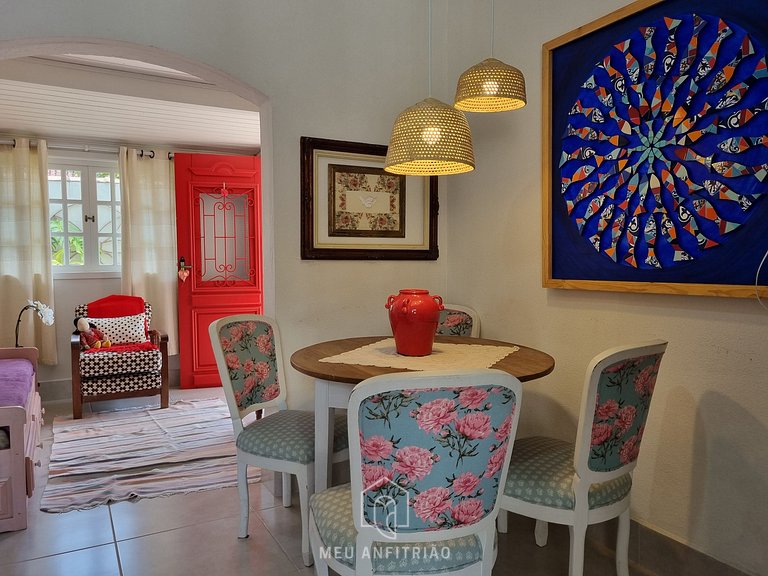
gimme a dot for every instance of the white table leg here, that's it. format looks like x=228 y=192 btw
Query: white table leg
x=328 y=395
x=323 y=435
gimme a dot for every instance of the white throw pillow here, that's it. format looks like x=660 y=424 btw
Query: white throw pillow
x=122 y=329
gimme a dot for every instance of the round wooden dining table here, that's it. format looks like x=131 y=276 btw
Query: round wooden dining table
x=334 y=380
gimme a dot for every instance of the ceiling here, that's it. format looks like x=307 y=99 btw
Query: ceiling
x=112 y=101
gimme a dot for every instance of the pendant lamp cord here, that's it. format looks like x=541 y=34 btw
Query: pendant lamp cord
x=429 y=47
x=493 y=17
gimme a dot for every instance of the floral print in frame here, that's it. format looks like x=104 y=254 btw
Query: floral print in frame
x=365 y=201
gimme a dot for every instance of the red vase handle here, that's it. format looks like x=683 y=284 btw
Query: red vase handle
x=439 y=301
x=391 y=299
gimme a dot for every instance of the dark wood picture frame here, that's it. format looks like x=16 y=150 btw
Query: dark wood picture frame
x=316 y=155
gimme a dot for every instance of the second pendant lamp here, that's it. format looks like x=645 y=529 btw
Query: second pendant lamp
x=430 y=138
x=491 y=86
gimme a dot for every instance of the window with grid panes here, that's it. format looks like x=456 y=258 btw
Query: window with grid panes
x=84 y=207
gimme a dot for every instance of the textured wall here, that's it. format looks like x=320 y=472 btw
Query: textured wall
x=343 y=69
x=704 y=466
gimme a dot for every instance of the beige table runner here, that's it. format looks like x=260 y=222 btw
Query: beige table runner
x=443 y=357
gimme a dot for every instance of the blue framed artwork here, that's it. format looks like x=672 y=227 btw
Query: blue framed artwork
x=656 y=150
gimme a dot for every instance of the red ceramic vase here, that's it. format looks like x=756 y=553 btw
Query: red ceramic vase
x=413 y=315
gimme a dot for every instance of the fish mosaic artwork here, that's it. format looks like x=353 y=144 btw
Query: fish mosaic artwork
x=665 y=152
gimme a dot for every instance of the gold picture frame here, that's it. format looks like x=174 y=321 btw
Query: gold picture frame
x=607 y=58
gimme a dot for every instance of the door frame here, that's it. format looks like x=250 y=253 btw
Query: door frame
x=20 y=48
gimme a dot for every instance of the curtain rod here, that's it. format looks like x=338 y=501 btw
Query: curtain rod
x=66 y=146
x=140 y=152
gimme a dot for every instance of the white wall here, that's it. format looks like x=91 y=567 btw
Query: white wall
x=703 y=474
x=343 y=69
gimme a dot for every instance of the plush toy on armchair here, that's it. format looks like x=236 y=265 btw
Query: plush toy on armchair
x=90 y=336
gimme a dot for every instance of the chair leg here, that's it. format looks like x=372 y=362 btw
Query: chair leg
x=164 y=376
x=303 y=482
x=622 y=545
x=315 y=543
x=164 y=395
x=541 y=533
x=501 y=521
x=286 y=489
x=488 y=539
x=77 y=407
x=242 y=488
x=321 y=568
x=77 y=388
x=578 y=536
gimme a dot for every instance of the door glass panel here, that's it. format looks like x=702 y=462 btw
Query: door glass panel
x=76 y=251
x=74 y=218
x=104 y=220
x=225 y=236
x=104 y=186
x=54 y=184
x=57 y=251
x=73 y=185
x=106 y=251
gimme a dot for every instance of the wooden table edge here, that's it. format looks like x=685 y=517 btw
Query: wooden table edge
x=301 y=359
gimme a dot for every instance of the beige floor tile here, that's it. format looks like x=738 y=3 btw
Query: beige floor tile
x=205 y=549
x=98 y=561
x=519 y=554
x=196 y=533
x=48 y=534
x=284 y=525
x=152 y=515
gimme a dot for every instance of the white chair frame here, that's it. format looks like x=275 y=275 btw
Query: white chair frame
x=582 y=516
x=305 y=473
x=485 y=529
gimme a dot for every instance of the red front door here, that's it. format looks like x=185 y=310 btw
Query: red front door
x=218 y=227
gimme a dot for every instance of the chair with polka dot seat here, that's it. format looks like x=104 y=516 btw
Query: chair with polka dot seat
x=250 y=362
x=590 y=481
x=429 y=452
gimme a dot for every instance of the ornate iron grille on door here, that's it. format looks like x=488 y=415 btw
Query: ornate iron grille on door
x=226 y=233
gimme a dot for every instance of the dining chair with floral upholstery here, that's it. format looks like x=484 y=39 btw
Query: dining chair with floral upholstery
x=457 y=320
x=588 y=482
x=428 y=453
x=250 y=363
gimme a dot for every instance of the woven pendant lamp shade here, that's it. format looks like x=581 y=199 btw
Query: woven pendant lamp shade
x=430 y=138
x=491 y=86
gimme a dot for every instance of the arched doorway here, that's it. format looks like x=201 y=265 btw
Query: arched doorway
x=51 y=47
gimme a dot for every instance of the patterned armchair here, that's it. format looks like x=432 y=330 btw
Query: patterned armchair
x=456 y=320
x=250 y=362
x=135 y=365
x=552 y=480
x=428 y=453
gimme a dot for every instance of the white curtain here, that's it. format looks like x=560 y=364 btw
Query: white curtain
x=25 y=251
x=149 y=236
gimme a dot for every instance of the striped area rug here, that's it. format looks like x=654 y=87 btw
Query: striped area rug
x=141 y=453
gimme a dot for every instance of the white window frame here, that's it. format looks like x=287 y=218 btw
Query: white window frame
x=88 y=164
